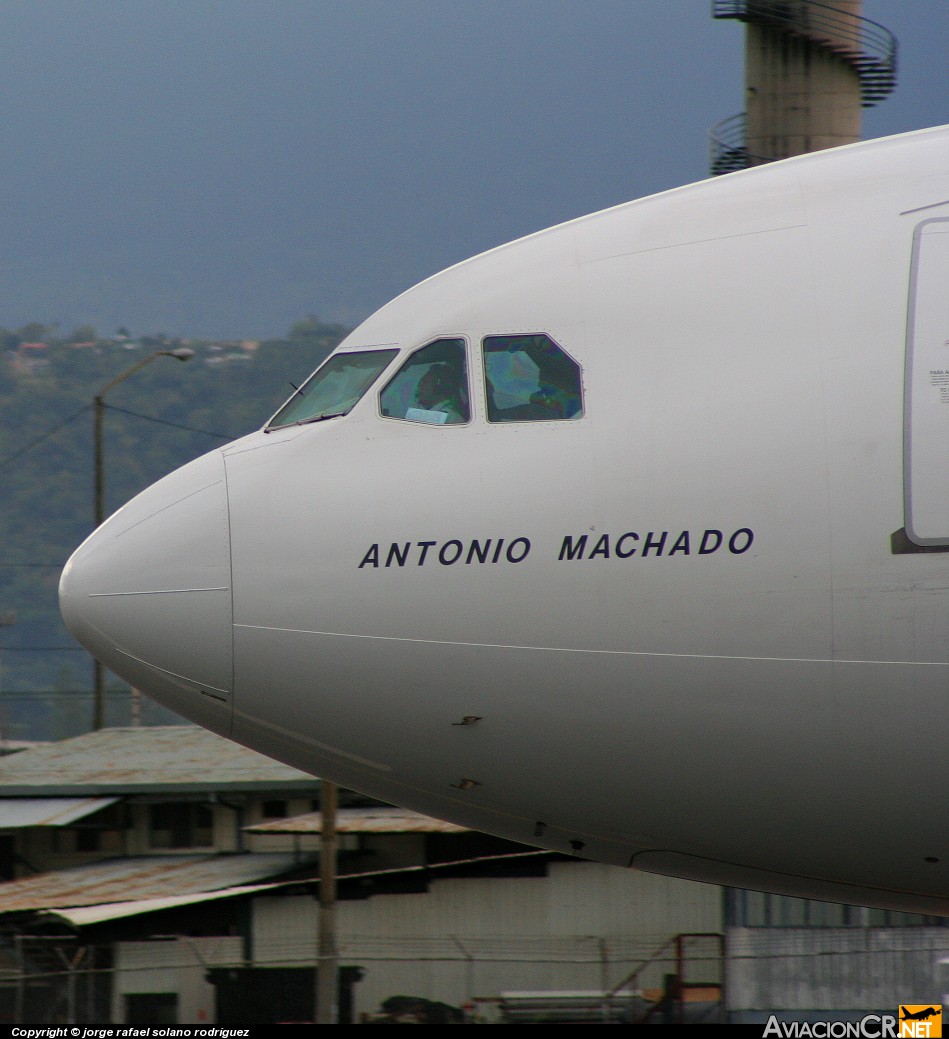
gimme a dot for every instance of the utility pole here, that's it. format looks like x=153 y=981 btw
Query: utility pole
x=327 y=970
x=98 y=417
x=6 y=621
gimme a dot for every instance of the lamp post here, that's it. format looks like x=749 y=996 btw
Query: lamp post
x=98 y=415
x=6 y=621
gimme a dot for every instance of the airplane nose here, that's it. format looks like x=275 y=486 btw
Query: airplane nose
x=149 y=593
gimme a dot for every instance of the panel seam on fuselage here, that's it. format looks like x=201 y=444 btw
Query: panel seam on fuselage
x=602 y=652
x=158 y=591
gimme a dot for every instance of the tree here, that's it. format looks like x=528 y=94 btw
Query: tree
x=306 y=329
x=34 y=332
x=84 y=334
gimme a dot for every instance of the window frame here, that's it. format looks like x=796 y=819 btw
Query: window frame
x=187 y=824
x=404 y=360
x=393 y=351
x=544 y=420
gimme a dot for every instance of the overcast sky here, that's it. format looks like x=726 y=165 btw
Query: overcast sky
x=224 y=167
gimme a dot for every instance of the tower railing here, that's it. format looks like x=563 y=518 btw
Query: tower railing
x=728 y=148
x=868 y=47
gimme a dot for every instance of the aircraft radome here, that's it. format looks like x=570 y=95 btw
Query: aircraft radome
x=628 y=539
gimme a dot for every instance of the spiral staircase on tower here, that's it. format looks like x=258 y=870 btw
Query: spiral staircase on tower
x=865 y=47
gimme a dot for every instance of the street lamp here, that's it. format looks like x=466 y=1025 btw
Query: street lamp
x=98 y=414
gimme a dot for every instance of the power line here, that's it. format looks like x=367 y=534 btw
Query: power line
x=14 y=455
x=43 y=436
x=11 y=696
x=43 y=649
x=166 y=422
x=39 y=566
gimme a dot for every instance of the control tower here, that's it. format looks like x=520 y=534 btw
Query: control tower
x=809 y=69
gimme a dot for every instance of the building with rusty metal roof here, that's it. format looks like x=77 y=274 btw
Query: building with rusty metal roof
x=167 y=876
x=159 y=759
x=113 y=837
x=140 y=792
x=381 y=819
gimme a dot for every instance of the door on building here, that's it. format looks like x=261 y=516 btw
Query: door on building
x=151 y=1008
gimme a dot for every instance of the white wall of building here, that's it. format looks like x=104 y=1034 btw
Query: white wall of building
x=841 y=968
x=584 y=926
x=176 y=965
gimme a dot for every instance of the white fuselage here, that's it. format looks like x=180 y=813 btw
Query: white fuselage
x=688 y=624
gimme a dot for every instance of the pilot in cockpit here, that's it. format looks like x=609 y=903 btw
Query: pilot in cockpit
x=439 y=390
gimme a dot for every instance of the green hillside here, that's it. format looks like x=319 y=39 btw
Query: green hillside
x=157 y=420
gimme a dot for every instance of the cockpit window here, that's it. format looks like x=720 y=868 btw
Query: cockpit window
x=334 y=388
x=432 y=386
x=529 y=378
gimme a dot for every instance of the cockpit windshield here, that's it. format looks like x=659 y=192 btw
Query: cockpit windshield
x=334 y=388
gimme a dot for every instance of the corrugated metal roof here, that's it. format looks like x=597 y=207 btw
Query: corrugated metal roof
x=168 y=758
x=128 y=880
x=18 y=812
x=360 y=820
x=84 y=916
